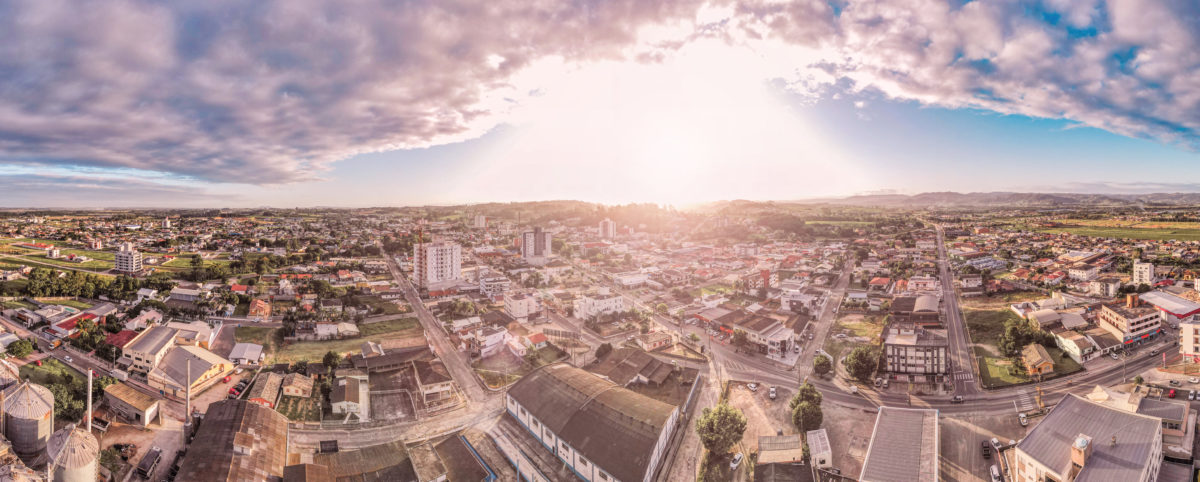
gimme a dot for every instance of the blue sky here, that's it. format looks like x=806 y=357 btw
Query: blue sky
x=312 y=102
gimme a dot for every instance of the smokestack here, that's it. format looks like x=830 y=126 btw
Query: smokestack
x=187 y=411
x=89 y=406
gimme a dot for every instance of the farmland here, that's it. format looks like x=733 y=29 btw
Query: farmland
x=1122 y=229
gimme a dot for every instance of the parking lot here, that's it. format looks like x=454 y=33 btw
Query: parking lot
x=962 y=438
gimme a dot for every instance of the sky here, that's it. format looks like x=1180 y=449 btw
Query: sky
x=296 y=103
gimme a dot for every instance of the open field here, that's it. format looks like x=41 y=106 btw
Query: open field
x=996 y=371
x=986 y=326
x=390 y=326
x=88 y=265
x=50 y=372
x=314 y=350
x=1122 y=229
x=843 y=223
x=79 y=305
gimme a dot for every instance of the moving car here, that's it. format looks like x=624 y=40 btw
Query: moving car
x=1114 y=356
x=1023 y=419
x=737 y=460
x=853 y=388
x=1175 y=383
x=956 y=399
x=1194 y=380
x=68 y=358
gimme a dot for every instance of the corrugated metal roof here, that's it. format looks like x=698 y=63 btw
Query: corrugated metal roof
x=72 y=448
x=904 y=446
x=212 y=456
x=613 y=427
x=29 y=401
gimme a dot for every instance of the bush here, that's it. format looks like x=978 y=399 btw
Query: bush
x=603 y=349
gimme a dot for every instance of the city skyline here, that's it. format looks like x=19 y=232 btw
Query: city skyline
x=307 y=104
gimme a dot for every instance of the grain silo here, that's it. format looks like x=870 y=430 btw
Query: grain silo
x=28 y=418
x=8 y=375
x=72 y=455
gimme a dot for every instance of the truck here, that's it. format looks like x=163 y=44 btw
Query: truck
x=120 y=375
x=149 y=463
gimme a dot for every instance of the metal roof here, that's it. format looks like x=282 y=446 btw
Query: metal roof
x=1049 y=442
x=152 y=340
x=611 y=426
x=238 y=440
x=904 y=446
x=72 y=448
x=28 y=401
x=1180 y=307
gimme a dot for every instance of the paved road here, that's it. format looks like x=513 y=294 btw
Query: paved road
x=459 y=368
x=961 y=369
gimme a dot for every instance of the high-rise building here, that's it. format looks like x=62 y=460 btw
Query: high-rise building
x=480 y=221
x=166 y=224
x=128 y=259
x=437 y=262
x=535 y=244
x=608 y=229
x=1143 y=273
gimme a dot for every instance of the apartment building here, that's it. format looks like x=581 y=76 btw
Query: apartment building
x=608 y=229
x=535 y=244
x=1132 y=322
x=437 y=262
x=915 y=353
x=1143 y=273
x=521 y=306
x=128 y=259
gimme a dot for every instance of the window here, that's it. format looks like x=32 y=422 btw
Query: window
x=603 y=476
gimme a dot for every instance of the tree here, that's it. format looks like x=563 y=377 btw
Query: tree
x=66 y=404
x=109 y=353
x=739 y=338
x=331 y=360
x=807 y=393
x=20 y=348
x=807 y=416
x=861 y=362
x=98 y=384
x=822 y=365
x=720 y=427
x=661 y=308
x=1138 y=380
x=603 y=349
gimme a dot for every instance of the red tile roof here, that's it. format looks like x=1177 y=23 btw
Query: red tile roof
x=121 y=338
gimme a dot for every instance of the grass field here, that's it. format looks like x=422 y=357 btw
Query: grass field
x=996 y=372
x=315 y=350
x=842 y=223
x=88 y=265
x=388 y=307
x=1128 y=229
x=298 y=409
x=12 y=305
x=50 y=372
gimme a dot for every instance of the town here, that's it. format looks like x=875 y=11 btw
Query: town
x=566 y=340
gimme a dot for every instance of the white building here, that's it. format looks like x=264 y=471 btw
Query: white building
x=590 y=306
x=493 y=284
x=480 y=221
x=535 y=244
x=521 y=306
x=601 y=431
x=1143 y=273
x=608 y=229
x=437 y=262
x=128 y=259
x=1130 y=323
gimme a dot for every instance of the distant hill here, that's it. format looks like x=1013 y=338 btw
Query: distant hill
x=1017 y=199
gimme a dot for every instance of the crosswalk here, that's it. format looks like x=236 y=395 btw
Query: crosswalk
x=1024 y=402
x=964 y=376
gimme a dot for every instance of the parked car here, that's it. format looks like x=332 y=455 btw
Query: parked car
x=853 y=388
x=1114 y=356
x=1171 y=394
x=1023 y=419
x=752 y=386
x=1175 y=383
x=772 y=393
x=885 y=383
x=737 y=460
x=986 y=449
x=1191 y=394
x=995 y=473
x=1194 y=380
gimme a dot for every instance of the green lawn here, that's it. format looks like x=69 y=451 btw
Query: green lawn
x=986 y=326
x=388 y=307
x=91 y=265
x=12 y=305
x=996 y=372
x=299 y=409
x=79 y=305
x=255 y=334
x=50 y=372
x=390 y=326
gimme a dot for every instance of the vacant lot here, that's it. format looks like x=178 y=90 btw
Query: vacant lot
x=315 y=350
x=999 y=302
x=299 y=409
x=390 y=326
x=1122 y=229
x=52 y=371
x=986 y=326
x=997 y=372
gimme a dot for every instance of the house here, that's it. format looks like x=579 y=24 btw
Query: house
x=653 y=340
x=349 y=397
x=538 y=340
x=246 y=354
x=146 y=294
x=590 y=306
x=598 y=430
x=297 y=385
x=1083 y=440
x=260 y=309
x=820 y=452
x=434 y=382
x=624 y=366
x=265 y=391
x=1037 y=360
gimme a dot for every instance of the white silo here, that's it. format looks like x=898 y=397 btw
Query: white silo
x=73 y=456
x=28 y=419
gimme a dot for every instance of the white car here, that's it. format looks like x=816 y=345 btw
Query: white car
x=853 y=388
x=752 y=386
x=737 y=460
x=1194 y=380
x=68 y=358
x=1023 y=419
x=1115 y=356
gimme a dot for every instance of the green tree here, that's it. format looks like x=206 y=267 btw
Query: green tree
x=739 y=338
x=1138 y=380
x=603 y=349
x=807 y=416
x=807 y=393
x=20 y=348
x=822 y=365
x=861 y=362
x=109 y=353
x=720 y=427
x=331 y=360
x=66 y=404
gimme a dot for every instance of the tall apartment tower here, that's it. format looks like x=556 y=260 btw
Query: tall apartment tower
x=480 y=221
x=1143 y=273
x=128 y=260
x=608 y=229
x=437 y=262
x=535 y=244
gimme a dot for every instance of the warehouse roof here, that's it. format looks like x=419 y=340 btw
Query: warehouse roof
x=613 y=427
x=1049 y=442
x=238 y=440
x=904 y=446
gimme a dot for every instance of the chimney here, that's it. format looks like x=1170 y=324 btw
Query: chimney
x=1081 y=449
x=89 y=405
